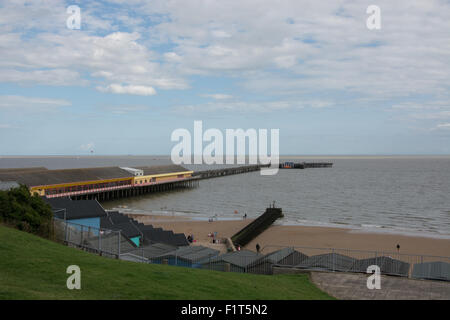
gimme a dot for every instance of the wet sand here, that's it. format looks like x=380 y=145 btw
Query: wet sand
x=303 y=236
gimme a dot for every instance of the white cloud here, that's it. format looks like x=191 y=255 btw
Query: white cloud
x=246 y=106
x=319 y=45
x=443 y=126
x=128 y=89
x=296 y=47
x=32 y=103
x=217 y=96
x=125 y=109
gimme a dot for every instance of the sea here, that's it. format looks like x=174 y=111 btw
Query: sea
x=390 y=194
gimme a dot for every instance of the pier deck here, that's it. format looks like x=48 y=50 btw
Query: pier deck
x=305 y=165
x=214 y=173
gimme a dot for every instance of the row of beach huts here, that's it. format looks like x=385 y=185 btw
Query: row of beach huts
x=112 y=233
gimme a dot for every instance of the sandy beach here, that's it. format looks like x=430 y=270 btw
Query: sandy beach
x=303 y=236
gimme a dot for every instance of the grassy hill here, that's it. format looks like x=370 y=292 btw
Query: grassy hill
x=34 y=268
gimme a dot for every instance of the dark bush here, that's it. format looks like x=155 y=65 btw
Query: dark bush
x=26 y=212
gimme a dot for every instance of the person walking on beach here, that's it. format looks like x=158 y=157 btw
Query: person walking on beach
x=257 y=248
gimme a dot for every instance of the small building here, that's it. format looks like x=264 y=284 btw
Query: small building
x=282 y=257
x=159 y=174
x=239 y=261
x=107 y=243
x=328 y=262
x=118 y=222
x=436 y=270
x=139 y=233
x=188 y=256
x=146 y=253
x=387 y=266
x=83 y=212
x=135 y=172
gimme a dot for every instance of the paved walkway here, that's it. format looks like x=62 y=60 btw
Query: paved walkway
x=354 y=286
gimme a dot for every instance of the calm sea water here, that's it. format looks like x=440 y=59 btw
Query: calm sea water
x=403 y=195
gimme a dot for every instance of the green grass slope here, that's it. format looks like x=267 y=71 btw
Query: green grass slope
x=34 y=268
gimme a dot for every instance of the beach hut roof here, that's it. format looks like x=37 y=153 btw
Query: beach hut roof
x=329 y=261
x=241 y=258
x=154 y=250
x=192 y=253
x=276 y=256
x=81 y=209
x=387 y=265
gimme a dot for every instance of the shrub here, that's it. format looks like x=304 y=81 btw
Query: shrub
x=26 y=212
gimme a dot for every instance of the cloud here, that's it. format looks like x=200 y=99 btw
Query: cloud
x=31 y=103
x=217 y=96
x=300 y=47
x=443 y=126
x=129 y=89
x=125 y=109
x=252 y=106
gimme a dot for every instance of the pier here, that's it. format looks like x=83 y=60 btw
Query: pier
x=252 y=230
x=305 y=165
x=214 y=173
x=101 y=183
x=136 y=190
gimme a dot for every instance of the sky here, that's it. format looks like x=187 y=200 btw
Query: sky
x=137 y=70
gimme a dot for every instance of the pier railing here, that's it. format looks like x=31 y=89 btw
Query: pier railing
x=214 y=173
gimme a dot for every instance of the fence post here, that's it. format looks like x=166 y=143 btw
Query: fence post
x=100 y=241
x=118 y=248
x=376 y=260
x=65 y=231
x=81 y=237
x=227 y=267
x=68 y=234
x=333 y=257
x=423 y=271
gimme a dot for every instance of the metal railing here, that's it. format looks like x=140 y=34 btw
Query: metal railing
x=356 y=261
x=97 y=240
